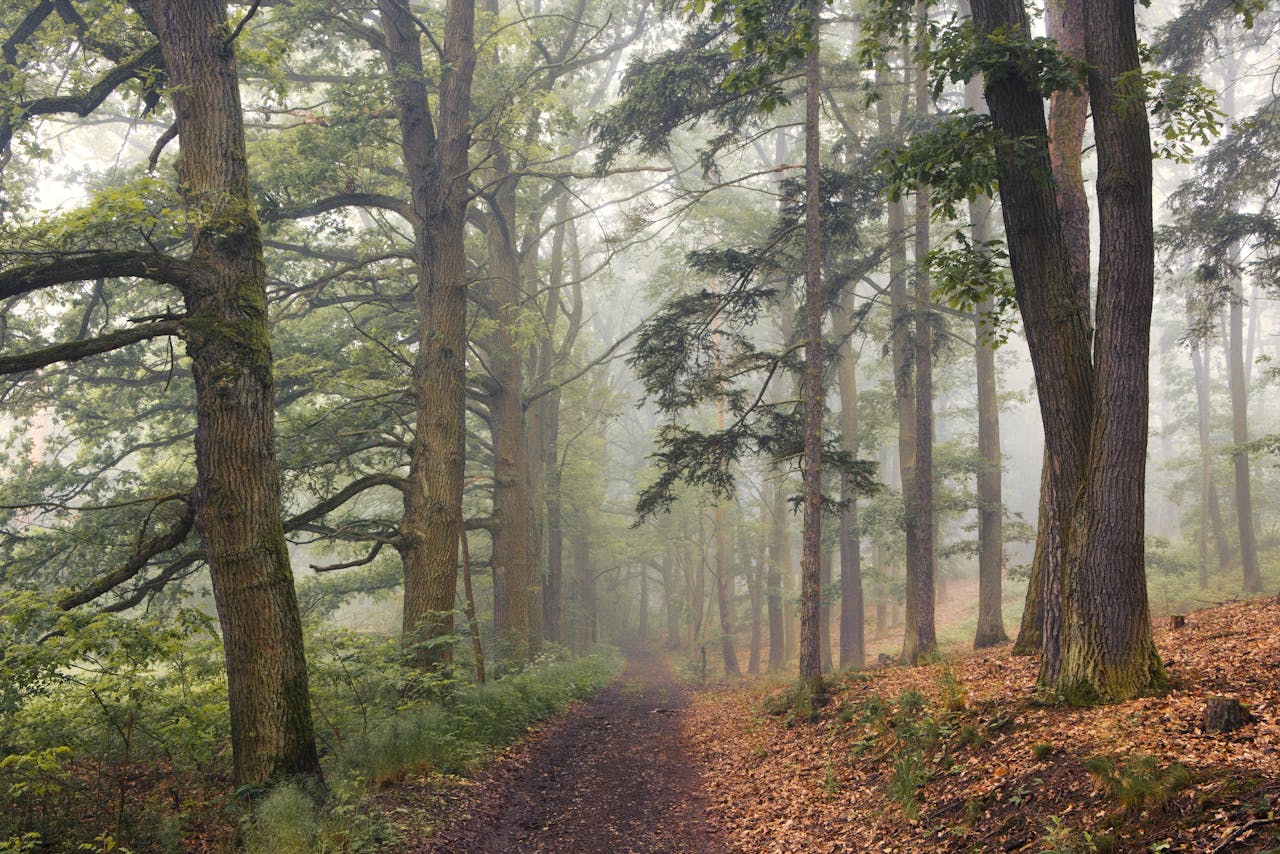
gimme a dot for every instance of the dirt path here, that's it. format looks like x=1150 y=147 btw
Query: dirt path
x=615 y=775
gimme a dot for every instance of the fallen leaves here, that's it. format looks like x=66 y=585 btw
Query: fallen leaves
x=1014 y=779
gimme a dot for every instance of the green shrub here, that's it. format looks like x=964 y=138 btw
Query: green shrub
x=1139 y=780
x=909 y=775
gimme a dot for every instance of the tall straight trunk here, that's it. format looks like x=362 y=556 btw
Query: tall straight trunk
x=779 y=562
x=824 y=610
x=671 y=597
x=724 y=596
x=920 y=636
x=469 y=609
x=1107 y=646
x=852 y=631
x=582 y=596
x=812 y=391
x=644 y=605
x=435 y=155
x=553 y=590
x=990 y=630
x=755 y=583
x=237 y=497
x=1200 y=368
x=1068 y=117
x=1252 y=578
x=901 y=357
x=516 y=587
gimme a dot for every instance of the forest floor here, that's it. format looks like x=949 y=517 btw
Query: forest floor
x=960 y=755
x=613 y=775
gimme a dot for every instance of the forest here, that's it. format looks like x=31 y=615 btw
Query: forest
x=692 y=426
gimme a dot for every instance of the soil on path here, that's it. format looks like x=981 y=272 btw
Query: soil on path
x=617 y=774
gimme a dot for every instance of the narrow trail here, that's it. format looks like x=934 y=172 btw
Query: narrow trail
x=615 y=775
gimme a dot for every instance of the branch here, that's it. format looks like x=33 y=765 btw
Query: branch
x=159 y=544
x=342 y=200
x=84 y=103
x=156 y=584
x=333 y=502
x=101 y=265
x=367 y=559
x=74 y=351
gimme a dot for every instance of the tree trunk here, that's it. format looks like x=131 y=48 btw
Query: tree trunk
x=824 y=610
x=755 y=587
x=1068 y=116
x=779 y=557
x=990 y=630
x=1200 y=368
x=671 y=594
x=724 y=596
x=852 y=631
x=237 y=498
x=1252 y=580
x=1108 y=651
x=919 y=636
x=812 y=391
x=644 y=604
x=435 y=155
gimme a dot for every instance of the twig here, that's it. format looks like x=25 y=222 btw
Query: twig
x=1243 y=829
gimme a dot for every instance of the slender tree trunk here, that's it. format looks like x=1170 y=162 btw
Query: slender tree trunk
x=903 y=383
x=824 y=610
x=553 y=593
x=724 y=597
x=779 y=557
x=812 y=391
x=755 y=587
x=1252 y=580
x=237 y=497
x=990 y=630
x=919 y=637
x=671 y=595
x=1200 y=367
x=644 y=605
x=852 y=631
x=469 y=608
x=435 y=154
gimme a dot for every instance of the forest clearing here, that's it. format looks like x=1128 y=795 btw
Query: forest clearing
x=706 y=425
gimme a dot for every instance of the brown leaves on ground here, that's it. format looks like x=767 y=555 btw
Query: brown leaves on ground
x=999 y=768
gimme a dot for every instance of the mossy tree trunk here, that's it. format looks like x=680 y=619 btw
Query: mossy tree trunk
x=237 y=496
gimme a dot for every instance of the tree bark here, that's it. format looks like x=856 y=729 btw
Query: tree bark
x=919 y=636
x=1252 y=577
x=779 y=562
x=237 y=496
x=990 y=630
x=1108 y=651
x=724 y=595
x=812 y=391
x=436 y=160
x=852 y=630
x=1068 y=117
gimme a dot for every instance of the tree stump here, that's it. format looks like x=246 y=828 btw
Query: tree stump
x=1177 y=621
x=1223 y=714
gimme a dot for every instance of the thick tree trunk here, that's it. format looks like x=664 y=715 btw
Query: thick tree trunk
x=516 y=587
x=237 y=498
x=435 y=155
x=812 y=391
x=852 y=631
x=1068 y=117
x=1108 y=651
x=1252 y=578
